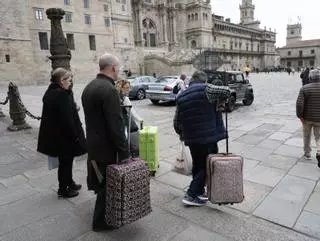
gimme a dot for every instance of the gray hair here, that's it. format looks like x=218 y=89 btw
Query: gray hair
x=314 y=75
x=107 y=60
x=199 y=76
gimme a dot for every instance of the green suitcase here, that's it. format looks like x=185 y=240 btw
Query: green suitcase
x=149 y=147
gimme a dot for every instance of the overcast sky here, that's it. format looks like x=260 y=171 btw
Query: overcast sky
x=275 y=14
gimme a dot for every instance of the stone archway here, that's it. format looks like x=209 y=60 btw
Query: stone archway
x=149 y=33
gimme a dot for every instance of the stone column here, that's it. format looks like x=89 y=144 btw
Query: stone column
x=165 y=31
x=60 y=54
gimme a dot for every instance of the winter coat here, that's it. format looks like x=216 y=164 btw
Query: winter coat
x=308 y=102
x=196 y=119
x=61 y=131
x=105 y=128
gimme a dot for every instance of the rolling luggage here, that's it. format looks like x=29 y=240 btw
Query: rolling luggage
x=149 y=147
x=225 y=176
x=128 y=191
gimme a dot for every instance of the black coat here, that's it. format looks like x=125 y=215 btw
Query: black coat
x=104 y=125
x=61 y=131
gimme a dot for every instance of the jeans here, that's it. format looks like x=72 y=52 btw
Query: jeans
x=307 y=128
x=199 y=155
x=65 y=171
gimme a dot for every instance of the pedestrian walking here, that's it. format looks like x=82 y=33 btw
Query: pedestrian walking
x=305 y=76
x=61 y=134
x=105 y=129
x=180 y=85
x=201 y=126
x=308 y=111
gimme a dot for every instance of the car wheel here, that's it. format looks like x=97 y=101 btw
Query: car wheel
x=141 y=94
x=231 y=104
x=248 y=100
x=155 y=102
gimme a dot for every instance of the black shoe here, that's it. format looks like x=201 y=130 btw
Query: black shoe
x=101 y=228
x=67 y=193
x=75 y=187
x=318 y=158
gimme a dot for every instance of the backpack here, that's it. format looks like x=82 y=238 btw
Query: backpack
x=176 y=89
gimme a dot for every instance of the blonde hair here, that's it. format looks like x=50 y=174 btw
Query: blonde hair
x=121 y=83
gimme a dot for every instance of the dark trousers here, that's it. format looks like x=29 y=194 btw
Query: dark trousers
x=199 y=155
x=100 y=206
x=65 y=171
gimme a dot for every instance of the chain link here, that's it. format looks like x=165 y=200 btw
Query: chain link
x=6 y=101
x=26 y=111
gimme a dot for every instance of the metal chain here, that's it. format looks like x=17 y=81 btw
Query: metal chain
x=6 y=101
x=26 y=111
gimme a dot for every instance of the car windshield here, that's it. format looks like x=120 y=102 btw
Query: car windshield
x=166 y=79
x=132 y=80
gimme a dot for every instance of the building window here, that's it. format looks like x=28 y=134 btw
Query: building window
x=300 y=63
x=215 y=38
x=251 y=47
x=67 y=2
x=92 y=42
x=258 y=48
x=106 y=8
x=86 y=3
x=247 y=47
x=231 y=45
x=193 y=44
x=125 y=40
x=240 y=45
x=189 y=17
x=312 y=51
x=311 y=63
x=224 y=46
x=123 y=8
x=289 y=64
x=292 y=32
x=192 y=17
x=196 y=16
x=87 y=19
x=289 y=53
x=107 y=22
x=300 y=53
x=68 y=17
x=7 y=58
x=39 y=13
x=70 y=41
x=43 y=39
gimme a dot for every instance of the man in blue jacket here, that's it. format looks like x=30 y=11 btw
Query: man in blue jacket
x=201 y=126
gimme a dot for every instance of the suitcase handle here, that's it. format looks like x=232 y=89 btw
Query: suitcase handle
x=227 y=133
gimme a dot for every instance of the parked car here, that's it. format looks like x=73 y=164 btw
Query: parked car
x=162 y=89
x=241 y=89
x=139 y=85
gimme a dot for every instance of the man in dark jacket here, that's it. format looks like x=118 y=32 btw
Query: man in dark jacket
x=106 y=139
x=202 y=127
x=308 y=111
x=305 y=76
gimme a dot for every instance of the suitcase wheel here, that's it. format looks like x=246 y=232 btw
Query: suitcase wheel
x=231 y=203
x=152 y=173
x=219 y=204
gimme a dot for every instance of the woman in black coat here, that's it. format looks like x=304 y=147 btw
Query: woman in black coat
x=61 y=134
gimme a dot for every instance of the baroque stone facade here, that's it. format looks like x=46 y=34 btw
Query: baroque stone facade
x=172 y=31
x=299 y=53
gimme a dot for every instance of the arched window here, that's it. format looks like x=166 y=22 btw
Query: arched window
x=204 y=16
x=196 y=16
x=192 y=17
x=189 y=17
x=149 y=33
x=193 y=44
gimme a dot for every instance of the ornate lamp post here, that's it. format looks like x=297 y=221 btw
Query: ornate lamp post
x=60 y=54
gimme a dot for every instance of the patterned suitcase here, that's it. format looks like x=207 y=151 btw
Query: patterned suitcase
x=128 y=193
x=149 y=147
x=225 y=176
x=128 y=190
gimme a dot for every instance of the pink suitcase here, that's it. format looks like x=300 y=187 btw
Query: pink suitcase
x=225 y=176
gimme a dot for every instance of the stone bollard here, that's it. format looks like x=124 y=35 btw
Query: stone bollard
x=16 y=109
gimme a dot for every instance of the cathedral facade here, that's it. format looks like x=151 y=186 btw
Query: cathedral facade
x=172 y=31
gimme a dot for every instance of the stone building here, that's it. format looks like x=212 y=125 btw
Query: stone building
x=299 y=53
x=161 y=36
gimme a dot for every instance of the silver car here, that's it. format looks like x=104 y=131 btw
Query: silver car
x=162 y=89
x=139 y=85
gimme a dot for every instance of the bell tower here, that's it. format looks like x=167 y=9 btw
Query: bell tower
x=294 y=33
x=247 y=14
